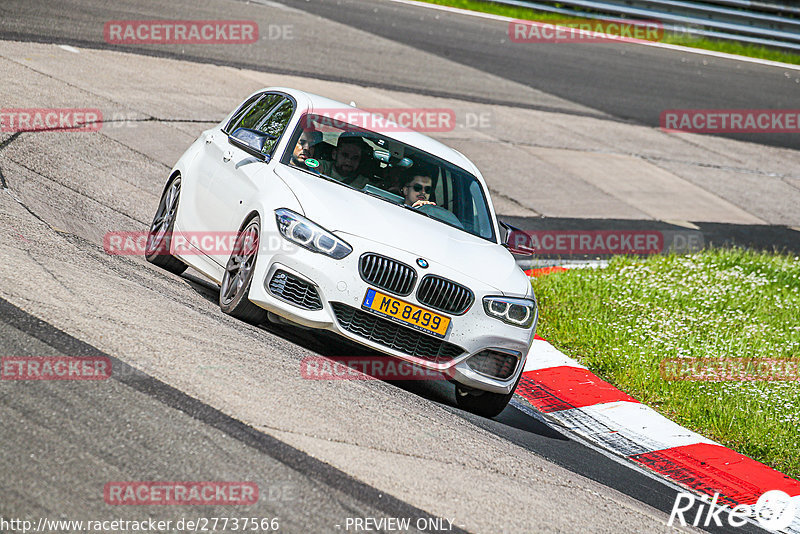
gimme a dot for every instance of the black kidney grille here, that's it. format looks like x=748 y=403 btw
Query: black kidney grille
x=443 y=295
x=387 y=273
x=294 y=290
x=393 y=335
x=492 y=363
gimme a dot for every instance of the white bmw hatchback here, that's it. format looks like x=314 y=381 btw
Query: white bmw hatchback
x=381 y=235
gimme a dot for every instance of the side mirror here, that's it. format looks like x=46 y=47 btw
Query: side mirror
x=252 y=141
x=518 y=242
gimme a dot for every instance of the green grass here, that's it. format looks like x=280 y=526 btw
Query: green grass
x=623 y=320
x=729 y=47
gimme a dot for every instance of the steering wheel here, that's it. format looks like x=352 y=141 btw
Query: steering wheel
x=438 y=212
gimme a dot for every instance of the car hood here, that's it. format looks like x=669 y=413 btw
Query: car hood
x=346 y=211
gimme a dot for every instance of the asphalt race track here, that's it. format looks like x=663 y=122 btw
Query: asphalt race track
x=569 y=141
x=626 y=81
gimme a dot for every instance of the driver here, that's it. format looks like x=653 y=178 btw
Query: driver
x=305 y=146
x=417 y=191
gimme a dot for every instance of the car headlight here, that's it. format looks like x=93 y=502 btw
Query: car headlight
x=518 y=312
x=305 y=233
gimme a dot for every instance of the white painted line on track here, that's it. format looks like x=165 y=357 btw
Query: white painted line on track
x=642 y=423
x=616 y=456
x=677 y=48
x=543 y=355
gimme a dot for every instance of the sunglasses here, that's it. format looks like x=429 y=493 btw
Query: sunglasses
x=418 y=188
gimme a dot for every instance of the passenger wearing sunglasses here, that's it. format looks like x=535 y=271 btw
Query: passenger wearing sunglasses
x=417 y=192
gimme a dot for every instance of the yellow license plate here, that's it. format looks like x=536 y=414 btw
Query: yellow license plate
x=405 y=313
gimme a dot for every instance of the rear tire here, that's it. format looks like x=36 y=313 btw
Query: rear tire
x=239 y=275
x=483 y=403
x=160 y=235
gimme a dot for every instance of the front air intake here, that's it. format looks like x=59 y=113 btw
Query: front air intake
x=494 y=363
x=294 y=290
x=395 y=336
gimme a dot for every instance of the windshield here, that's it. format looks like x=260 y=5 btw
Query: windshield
x=381 y=166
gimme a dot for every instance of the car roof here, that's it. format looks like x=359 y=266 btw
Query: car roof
x=312 y=103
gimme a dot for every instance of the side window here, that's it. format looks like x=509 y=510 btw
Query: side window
x=275 y=123
x=269 y=113
x=257 y=112
x=237 y=117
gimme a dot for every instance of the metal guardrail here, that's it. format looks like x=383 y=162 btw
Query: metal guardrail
x=755 y=22
x=770 y=7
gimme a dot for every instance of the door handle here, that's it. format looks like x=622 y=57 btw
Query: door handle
x=226 y=157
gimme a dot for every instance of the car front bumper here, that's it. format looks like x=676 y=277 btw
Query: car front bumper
x=338 y=283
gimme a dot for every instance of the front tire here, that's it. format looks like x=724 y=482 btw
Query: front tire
x=160 y=234
x=483 y=403
x=239 y=275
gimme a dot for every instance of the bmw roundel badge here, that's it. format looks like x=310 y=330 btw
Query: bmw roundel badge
x=422 y=263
